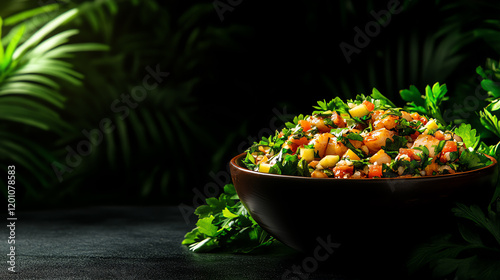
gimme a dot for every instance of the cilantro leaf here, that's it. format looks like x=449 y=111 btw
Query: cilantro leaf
x=360 y=164
x=303 y=168
x=346 y=134
x=490 y=75
x=410 y=168
x=335 y=104
x=492 y=87
x=416 y=101
x=339 y=132
x=440 y=147
x=213 y=205
x=490 y=121
x=428 y=104
x=228 y=214
x=471 y=160
x=206 y=227
x=286 y=166
x=249 y=161
x=354 y=136
x=425 y=159
x=492 y=150
x=225 y=225
x=476 y=215
x=381 y=102
x=468 y=135
x=344 y=138
x=392 y=146
x=295 y=121
x=340 y=106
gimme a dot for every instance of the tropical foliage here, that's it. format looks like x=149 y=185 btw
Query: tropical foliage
x=148 y=137
x=30 y=98
x=64 y=63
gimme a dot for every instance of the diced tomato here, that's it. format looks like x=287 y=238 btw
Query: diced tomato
x=439 y=135
x=337 y=120
x=442 y=158
x=375 y=171
x=341 y=171
x=305 y=125
x=415 y=135
x=449 y=146
x=409 y=152
x=295 y=143
x=370 y=106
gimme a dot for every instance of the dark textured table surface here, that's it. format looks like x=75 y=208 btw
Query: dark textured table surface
x=115 y=242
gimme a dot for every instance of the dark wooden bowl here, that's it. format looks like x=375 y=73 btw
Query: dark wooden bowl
x=362 y=214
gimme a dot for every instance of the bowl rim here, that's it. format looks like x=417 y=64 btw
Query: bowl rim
x=234 y=163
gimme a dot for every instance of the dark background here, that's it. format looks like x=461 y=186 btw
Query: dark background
x=227 y=79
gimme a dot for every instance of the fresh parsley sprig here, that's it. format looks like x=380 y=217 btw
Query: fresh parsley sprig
x=335 y=104
x=224 y=225
x=490 y=78
x=428 y=104
x=468 y=135
x=380 y=101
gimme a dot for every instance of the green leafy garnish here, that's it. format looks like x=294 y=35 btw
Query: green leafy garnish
x=490 y=78
x=470 y=160
x=295 y=121
x=335 y=104
x=492 y=150
x=428 y=104
x=381 y=102
x=468 y=135
x=439 y=147
x=490 y=121
x=405 y=127
x=343 y=135
x=346 y=134
x=303 y=168
x=286 y=166
x=425 y=159
x=392 y=146
x=225 y=225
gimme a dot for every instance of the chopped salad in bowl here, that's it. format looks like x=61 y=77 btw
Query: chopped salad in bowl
x=365 y=138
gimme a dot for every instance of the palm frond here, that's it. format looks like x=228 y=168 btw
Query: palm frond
x=30 y=98
x=44 y=31
x=31 y=13
x=30 y=68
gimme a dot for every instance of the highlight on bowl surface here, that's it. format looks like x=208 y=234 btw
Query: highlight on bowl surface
x=366 y=137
